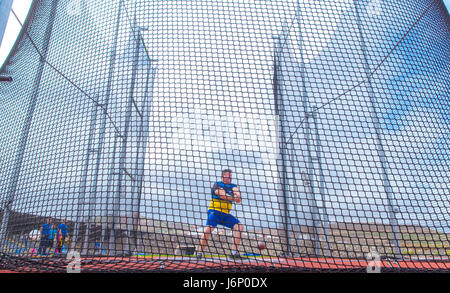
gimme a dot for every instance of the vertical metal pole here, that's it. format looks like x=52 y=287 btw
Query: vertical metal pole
x=296 y=199
x=110 y=191
x=386 y=183
x=311 y=196
x=104 y=118
x=281 y=146
x=26 y=128
x=123 y=152
x=143 y=137
x=307 y=132
x=139 y=165
x=133 y=226
x=84 y=180
x=103 y=123
x=324 y=213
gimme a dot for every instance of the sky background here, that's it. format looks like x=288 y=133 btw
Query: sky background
x=13 y=28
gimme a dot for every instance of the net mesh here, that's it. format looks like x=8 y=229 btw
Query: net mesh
x=333 y=117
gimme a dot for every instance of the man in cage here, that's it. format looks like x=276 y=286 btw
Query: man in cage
x=224 y=194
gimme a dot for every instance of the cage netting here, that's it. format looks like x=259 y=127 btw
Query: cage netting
x=332 y=116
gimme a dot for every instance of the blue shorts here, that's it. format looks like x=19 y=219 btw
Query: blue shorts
x=218 y=218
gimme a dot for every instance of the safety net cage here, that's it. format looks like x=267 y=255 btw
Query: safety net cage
x=121 y=119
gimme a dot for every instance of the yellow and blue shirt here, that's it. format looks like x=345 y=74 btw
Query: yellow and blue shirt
x=218 y=204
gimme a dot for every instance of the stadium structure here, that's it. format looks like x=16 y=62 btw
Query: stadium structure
x=118 y=117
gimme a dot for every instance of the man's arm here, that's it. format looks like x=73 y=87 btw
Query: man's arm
x=220 y=192
x=237 y=194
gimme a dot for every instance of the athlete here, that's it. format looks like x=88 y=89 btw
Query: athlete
x=224 y=194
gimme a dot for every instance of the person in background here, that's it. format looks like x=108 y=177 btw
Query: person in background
x=44 y=232
x=52 y=236
x=61 y=236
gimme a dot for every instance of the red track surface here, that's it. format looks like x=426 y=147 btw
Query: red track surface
x=177 y=264
x=186 y=264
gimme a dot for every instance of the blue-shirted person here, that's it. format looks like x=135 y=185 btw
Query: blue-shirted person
x=52 y=236
x=223 y=195
x=45 y=235
x=62 y=236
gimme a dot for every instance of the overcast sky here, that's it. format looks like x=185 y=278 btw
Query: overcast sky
x=13 y=28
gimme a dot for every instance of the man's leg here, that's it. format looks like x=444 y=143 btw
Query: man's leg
x=237 y=235
x=205 y=237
